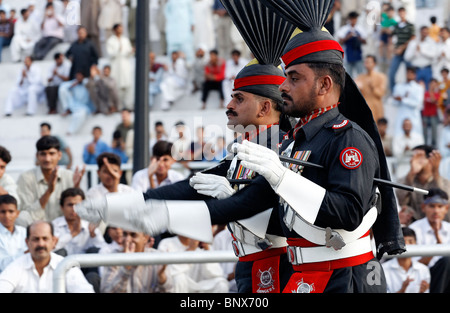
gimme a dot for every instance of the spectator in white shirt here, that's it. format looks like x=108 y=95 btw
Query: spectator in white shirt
x=26 y=34
x=159 y=172
x=75 y=235
x=12 y=237
x=431 y=230
x=421 y=53
x=29 y=89
x=52 y=33
x=443 y=55
x=7 y=183
x=33 y=272
x=59 y=73
x=109 y=174
x=405 y=275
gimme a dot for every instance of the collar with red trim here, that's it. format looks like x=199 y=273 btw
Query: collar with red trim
x=308 y=118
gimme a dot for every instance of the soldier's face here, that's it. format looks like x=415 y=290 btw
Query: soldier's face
x=299 y=91
x=242 y=109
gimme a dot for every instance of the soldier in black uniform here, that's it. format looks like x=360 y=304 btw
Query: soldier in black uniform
x=255 y=113
x=328 y=213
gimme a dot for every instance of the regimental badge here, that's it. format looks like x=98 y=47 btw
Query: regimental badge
x=266 y=280
x=303 y=287
x=351 y=158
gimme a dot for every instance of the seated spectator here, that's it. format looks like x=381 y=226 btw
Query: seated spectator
x=175 y=82
x=75 y=236
x=431 y=230
x=109 y=173
x=135 y=279
x=192 y=278
x=66 y=152
x=118 y=146
x=232 y=67
x=155 y=76
x=52 y=33
x=181 y=143
x=40 y=188
x=198 y=69
x=102 y=91
x=405 y=275
x=423 y=174
x=6 y=31
x=126 y=123
x=159 y=134
x=28 y=90
x=214 y=77
x=82 y=53
x=33 y=272
x=386 y=138
x=7 y=183
x=96 y=147
x=444 y=88
x=159 y=172
x=26 y=34
x=12 y=237
x=402 y=150
x=59 y=73
x=74 y=97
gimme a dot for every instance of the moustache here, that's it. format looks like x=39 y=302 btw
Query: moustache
x=286 y=96
x=40 y=248
x=231 y=112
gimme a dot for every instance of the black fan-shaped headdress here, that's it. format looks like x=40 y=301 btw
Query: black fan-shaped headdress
x=266 y=34
x=311 y=43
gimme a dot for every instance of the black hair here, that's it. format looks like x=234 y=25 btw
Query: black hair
x=45 y=124
x=161 y=148
x=8 y=199
x=47 y=143
x=409 y=232
x=111 y=157
x=427 y=148
x=436 y=192
x=5 y=155
x=71 y=192
x=336 y=71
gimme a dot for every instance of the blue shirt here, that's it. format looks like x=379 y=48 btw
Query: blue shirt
x=12 y=245
x=100 y=147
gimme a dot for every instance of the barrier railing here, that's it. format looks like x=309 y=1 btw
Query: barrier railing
x=152 y=258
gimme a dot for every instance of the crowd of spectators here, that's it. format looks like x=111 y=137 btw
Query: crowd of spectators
x=196 y=50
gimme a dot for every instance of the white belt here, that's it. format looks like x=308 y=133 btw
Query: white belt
x=318 y=235
x=242 y=249
x=299 y=255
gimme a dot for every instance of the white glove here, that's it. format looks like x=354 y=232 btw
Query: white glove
x=92 y=210
x=212 y=185
x=261 y=160
x=152 y=219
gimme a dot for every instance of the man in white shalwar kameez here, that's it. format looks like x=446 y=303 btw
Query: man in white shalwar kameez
x=408 y=98
x=204 y=35
x=174 y=83
x=192 y=278
x=179 y=27
x=119 y=50
x=26 y=34
x=29 y=89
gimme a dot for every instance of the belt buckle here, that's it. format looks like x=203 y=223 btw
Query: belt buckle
x=294 y=255
x=237 y=248
x=289 y=224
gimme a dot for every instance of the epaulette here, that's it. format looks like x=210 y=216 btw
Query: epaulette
x=339 y=126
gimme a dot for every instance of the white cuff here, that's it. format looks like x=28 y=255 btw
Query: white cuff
x=190 y=219
x=117 y=204
x=302 y=195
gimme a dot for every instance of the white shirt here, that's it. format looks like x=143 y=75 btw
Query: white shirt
x=63 y=70
x=12 y=245
x=9 y=184
x=140 y=181
x=81 y=242
x=425 y=235
x=100 y=190
x=21 y=277
x=426 y=54
x=53 y=28
x=396 y=275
